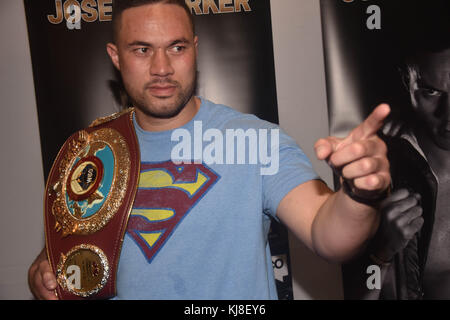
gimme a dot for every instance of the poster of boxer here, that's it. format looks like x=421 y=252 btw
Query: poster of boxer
x=397 y=52
x=76 y=82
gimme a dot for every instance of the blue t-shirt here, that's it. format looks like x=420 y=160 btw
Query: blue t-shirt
x=199 y=230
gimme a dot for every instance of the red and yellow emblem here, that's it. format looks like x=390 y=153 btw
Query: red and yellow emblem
x=85 y=178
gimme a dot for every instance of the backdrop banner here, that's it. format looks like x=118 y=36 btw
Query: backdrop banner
x=397 y=52
x=76 y=82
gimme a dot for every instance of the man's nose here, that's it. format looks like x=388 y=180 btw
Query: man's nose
x=444 y=107
x=447 y=105
x=161 y=64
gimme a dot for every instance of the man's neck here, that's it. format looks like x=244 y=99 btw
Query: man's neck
x=152 y=124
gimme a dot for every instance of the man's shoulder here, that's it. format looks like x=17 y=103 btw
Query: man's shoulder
x=228 y=117
x=221 y=110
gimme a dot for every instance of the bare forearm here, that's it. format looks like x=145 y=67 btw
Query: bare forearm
x=342 y=227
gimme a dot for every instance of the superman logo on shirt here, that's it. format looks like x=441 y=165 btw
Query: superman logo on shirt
x=166 y=193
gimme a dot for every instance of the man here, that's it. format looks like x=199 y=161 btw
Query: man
x=413 y=239
x=219 y=250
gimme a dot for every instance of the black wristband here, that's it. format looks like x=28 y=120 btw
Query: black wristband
x=372 y=201
x=379 y=261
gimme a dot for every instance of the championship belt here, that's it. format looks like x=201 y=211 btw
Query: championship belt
x=88 y=198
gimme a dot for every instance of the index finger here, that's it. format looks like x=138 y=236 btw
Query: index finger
x=371 y=124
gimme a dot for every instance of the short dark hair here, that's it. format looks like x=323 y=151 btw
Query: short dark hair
x=120 y=6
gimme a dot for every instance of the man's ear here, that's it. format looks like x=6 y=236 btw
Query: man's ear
x=196 y=44
x=113 y=53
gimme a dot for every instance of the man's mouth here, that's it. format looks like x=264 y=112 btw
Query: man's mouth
x=444 y=130
x=162 y=90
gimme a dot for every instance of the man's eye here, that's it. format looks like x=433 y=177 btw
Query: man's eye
x=178 y=49
x=141 y=50
x=427 y=92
